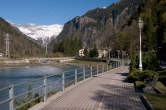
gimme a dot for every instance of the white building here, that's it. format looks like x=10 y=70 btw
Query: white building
x=81 y=53
x=103 y=53
x=1 y=55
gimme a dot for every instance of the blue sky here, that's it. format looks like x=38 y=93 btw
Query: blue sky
x=47 y=11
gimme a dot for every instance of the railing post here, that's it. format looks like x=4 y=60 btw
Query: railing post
x=45 y=89
x=63 y=81
x=112 y=65
x=107 y=68
x=103 y=68
x=84 y=72
x=75 y=76
x=11 y=96
x=97 y=69
x=91 y=71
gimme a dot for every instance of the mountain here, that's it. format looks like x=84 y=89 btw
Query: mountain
x=98 y=26
x=20 y=44
x=40 y=32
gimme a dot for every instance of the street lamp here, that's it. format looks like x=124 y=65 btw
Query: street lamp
x=140 y=24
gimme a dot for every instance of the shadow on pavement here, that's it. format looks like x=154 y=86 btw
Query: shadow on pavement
x=118 y=98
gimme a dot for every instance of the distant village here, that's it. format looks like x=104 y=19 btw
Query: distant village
x=104 y=53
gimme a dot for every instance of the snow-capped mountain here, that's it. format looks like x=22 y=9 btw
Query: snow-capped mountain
x=40 y=32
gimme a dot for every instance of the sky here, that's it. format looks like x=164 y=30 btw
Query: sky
x=47 y=12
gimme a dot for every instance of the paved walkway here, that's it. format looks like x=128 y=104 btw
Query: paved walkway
x=108 y=91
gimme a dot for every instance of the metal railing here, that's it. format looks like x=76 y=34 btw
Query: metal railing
x=42 y=86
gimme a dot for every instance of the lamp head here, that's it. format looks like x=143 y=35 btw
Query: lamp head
x=7 y=36
x=140 y=23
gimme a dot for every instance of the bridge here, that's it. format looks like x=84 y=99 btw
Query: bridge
x=107 y=91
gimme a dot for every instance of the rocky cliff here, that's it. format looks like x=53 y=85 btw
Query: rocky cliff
x=98 y=26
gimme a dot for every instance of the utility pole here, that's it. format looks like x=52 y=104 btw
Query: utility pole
x=46 y=41
x=46 y=50
x=7 y=53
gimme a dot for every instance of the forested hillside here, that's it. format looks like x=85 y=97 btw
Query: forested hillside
x=20 y=45
x=116 y=27
x=153 y=13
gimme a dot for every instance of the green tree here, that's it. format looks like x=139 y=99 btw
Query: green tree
x=86 y=53
x=94 y=52
x=150 y=33
x=150 y=61
x=69 y=47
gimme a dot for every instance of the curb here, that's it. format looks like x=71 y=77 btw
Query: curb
x=146 y=103
x=158 y=90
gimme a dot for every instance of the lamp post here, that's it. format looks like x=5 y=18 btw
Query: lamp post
x=140 y=24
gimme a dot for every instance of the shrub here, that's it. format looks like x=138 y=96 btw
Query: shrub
x=162 y=76
x=148 y=75
x=162 y=73
x=134 y=75
x=163 y=79
x=137 y=75
x=150 y=61
x=140 y=84
x=134 y=62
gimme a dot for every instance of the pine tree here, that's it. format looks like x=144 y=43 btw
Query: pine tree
x=86 y=53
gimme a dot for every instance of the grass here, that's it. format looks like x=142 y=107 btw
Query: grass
x=161 y=86
x=86 y=62
x=140 y=84
x=158 y=101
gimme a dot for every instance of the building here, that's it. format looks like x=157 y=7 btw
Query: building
x=1 y=55
x=103 y=53
x=81 y=53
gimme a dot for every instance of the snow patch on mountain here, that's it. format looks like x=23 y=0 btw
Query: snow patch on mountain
x=40 y=31
x=104 y=7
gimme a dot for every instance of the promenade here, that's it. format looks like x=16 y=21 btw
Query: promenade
x=108 y=91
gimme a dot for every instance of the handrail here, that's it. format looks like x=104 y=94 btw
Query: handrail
x=70 y=76
x=23 y=83
x=22 y=94
x=4 y=101
x=2 y=89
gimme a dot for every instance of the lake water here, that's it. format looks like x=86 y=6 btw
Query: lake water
x=17 y=75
